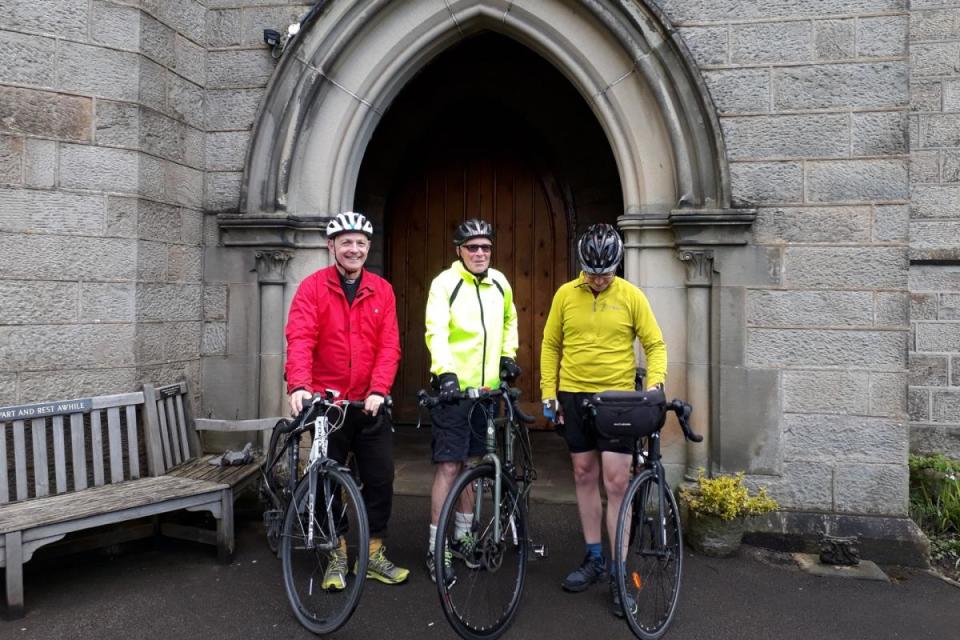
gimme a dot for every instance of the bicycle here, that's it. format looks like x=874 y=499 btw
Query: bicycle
x=484 y=598
x=649 y=546
x=313 y=512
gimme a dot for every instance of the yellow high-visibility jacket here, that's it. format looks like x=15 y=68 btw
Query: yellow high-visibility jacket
x=471 y=323
x=595 y=337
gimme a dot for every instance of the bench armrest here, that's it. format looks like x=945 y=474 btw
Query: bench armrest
x=264 y=425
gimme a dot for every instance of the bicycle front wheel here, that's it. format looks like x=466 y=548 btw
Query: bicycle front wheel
x=318 y=556
x=490 y=561
x=649 y=556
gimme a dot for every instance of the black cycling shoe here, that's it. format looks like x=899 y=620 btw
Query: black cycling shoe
x=591 y=571
x=616 y=607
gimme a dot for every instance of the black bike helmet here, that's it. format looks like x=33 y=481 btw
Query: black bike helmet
x=472 y=228
x=600 y=249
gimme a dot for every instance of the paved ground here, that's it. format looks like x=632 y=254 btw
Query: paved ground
x=167 y=589
x=177 y=590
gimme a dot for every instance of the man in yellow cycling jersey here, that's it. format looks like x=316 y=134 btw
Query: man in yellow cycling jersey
x=589 y=336
x=471 y=331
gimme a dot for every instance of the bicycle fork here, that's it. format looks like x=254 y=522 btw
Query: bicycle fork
x=318 y=449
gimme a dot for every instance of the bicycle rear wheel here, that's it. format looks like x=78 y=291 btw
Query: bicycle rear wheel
x=338 y=513
x=649 y=558
x=484 y=598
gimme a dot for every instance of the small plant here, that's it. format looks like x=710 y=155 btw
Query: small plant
x=935 y=494
x=726 y=497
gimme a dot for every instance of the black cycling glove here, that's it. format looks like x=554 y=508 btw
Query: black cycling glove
x=509 y=369
x=449 y=386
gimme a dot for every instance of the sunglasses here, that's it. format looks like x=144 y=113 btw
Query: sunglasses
x=474 y=248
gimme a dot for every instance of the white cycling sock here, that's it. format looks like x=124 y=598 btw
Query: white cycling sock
x=433 y=538
x=463 y=524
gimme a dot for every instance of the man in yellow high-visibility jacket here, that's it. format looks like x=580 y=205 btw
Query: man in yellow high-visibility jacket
x=471 y=331
x=589 y=336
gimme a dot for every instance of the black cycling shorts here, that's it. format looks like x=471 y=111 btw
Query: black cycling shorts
x=579 y=431
x=453 y=440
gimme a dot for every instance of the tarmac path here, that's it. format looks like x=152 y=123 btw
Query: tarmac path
x=173 y=590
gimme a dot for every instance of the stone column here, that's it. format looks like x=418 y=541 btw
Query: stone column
x=699 y=277
x=271 y=265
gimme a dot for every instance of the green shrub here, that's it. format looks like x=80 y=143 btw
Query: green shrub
x=726 y=497
x=935 y=494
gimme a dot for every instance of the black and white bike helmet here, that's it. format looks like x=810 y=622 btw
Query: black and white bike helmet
x=472 y=228
x=349 y=222
x=600 y=249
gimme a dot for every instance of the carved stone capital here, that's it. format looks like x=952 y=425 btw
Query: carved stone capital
x=271 y=265
x=699 y=266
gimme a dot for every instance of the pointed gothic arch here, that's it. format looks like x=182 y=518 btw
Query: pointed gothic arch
x=351 y=59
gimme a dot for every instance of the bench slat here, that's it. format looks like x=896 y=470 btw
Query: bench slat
x=96 y=446
x=59 y=454
x=98 y=500
x=20 y=459
x=174 y=432
x=116 y=445
x=78 y=451
x=133 y=453
x=41 y=474
x=4 y=489
x=167 y=460
x=182 y=422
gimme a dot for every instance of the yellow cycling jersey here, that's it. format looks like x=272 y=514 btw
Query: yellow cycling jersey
x=590 y=339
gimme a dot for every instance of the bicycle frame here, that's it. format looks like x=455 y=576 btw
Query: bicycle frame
x=651 y=461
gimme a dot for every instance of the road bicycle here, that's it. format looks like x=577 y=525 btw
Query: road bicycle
x=313 y=509
x=648 y=562
x=484 y=596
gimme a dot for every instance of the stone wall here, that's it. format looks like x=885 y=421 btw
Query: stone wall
x=101 y=158
x=934 y=395
x=239 y=66
x=812 y=98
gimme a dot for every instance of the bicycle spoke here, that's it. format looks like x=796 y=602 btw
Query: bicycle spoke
x=486 y=594
x=322 y=590
x=650 y=557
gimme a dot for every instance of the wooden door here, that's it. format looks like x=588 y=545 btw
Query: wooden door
x=531 y=249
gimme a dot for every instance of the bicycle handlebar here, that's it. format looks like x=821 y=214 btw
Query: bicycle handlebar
x=683 y=411
x=679 y=407
x=505 y=391
x=328 y=399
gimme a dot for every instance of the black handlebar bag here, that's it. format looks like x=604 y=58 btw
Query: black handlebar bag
x=629 y=414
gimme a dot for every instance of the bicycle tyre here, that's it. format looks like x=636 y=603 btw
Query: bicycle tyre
x=318 y=610
x=482 y=603
x=648 y=577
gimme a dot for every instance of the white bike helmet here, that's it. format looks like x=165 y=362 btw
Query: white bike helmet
x=349 y=222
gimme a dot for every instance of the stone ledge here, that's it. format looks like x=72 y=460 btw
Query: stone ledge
x=272 y=230
x=883 y=539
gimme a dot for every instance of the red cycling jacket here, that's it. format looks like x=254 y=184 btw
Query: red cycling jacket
x=332 y=345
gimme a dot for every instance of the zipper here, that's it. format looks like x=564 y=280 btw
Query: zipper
x=483 y=363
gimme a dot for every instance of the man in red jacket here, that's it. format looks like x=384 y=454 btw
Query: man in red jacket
x=342 y=334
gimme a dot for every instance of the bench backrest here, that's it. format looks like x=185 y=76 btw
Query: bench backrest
x=58 y=447
x=171 y=436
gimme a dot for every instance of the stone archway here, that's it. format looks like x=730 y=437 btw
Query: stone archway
x=340 y=75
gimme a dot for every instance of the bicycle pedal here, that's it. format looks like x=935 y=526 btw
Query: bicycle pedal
x=272 y=515
x=539 y=551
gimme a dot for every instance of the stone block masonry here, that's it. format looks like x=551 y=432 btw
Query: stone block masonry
x=934 y=360
x=813 y=100
x=102 y=153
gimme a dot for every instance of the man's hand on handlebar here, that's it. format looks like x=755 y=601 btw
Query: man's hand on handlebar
x=373 y=403
x=298 y=399
x=449 y=387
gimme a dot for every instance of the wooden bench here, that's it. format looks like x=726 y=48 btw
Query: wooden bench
x=74 y=465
